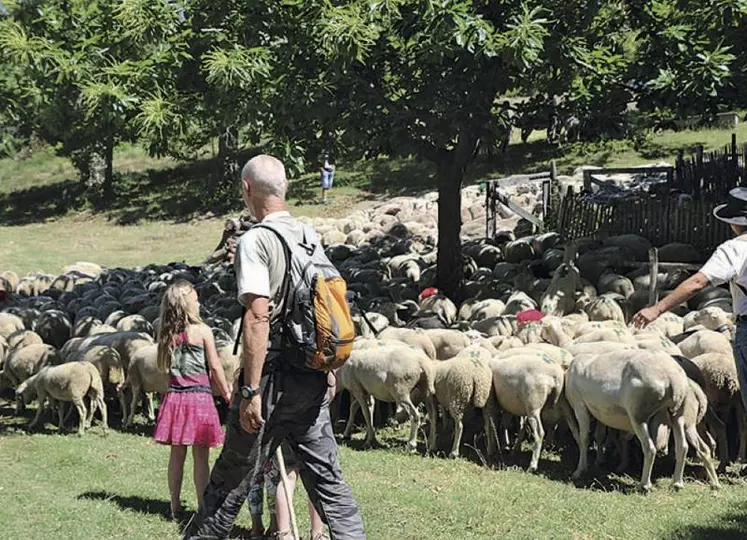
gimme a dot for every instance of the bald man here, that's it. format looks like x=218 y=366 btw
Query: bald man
x=274 y=402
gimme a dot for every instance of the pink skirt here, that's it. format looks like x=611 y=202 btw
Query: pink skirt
x=188 y=418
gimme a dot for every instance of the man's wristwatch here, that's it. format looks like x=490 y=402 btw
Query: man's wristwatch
x=247 y=392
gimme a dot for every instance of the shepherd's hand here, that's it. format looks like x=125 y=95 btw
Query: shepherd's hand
x=250 y=414
x=645 y=317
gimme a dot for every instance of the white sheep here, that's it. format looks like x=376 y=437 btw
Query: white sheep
x=503 y=325
x=9 y=324
x=721 y=386
x=388 y=371
x=524 y=386
x=560 y=297
x=605 y=308
x=22 y=363
x=66 y=383
x=460 y=383
x=441 y=306
x=625 y=390
x=143 y=376
x=448 y=343
x=414 y=337
x=705 y=341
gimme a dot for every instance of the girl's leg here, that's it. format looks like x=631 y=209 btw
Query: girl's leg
x=201 y=456
x=317 y=525
x=176 y=472
x=283 y=515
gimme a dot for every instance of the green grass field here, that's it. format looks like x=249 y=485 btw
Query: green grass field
x=113 y=486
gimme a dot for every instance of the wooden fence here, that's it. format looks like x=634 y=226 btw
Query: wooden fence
x=660 y=219
x=680 y=210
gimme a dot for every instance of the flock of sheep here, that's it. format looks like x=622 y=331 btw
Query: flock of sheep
x=86 y=337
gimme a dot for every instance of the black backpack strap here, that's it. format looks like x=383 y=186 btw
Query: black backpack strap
x=285 y=287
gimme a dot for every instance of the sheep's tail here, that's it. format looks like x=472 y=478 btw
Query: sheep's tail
x=556 y=392
x=96 y=385
x=427 y=374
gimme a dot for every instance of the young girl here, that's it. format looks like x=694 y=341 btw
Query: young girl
x=187 y=416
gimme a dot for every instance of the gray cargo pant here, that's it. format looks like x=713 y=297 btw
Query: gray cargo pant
x=740 y=357
x=296 y=410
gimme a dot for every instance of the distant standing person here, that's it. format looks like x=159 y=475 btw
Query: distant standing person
x=187 y=416
x=328 y=177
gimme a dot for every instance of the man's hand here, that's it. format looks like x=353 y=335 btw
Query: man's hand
x=645 y=317
x=250 y=414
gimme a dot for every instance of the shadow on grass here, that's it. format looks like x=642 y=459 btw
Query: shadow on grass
x=154 y=507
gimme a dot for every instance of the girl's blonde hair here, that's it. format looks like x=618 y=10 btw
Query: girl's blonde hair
x=177 y=313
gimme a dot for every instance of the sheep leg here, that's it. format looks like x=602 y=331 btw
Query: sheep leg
x=42 y=404
x=150 y=409
x=133 y=405
x=722 y=446
x=60 y=418
x=354 y=408
x=624 y=445
x=122 y=403
x=458 y=430
x=104 y=413
x=412 y=411
x=538 y=435
x=488 y=422
x=81 y=407
x=742 y=423
x=519 y=437
x=430 y=404
x=91 y=411
x=504 y=425
x=367 y=406
x=704 y=454
x=649 y=452
x=680 y=451
x=567 y=413
x=584 y=421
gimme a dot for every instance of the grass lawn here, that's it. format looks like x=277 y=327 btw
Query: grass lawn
x=114 y=486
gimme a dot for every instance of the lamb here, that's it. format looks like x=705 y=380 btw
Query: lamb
x=416 y=338
x=54 y=327
x=23 y=338
x=448 y=343
x=545 y=351
x=486 y=309
x=388 y=371
x=721 y=386
x=695 y=408
x=441 y=306
x=605 y=308
x=625 y=390
x=615 y=283
x=705 y=341
x=143 y=375
x=67 y=382
x=85 y=326
x=504 y=325
x=560 y=297
x=134 y=323
x=524 y=386
x=107 y=362
x=462 y=382
x=22 y=363
x=9 y=324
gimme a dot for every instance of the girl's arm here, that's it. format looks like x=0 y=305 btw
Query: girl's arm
x=216 y=369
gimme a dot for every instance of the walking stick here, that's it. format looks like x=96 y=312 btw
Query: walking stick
x=288 y=493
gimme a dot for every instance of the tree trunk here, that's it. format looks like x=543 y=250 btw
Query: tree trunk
x=228 y=166
x=450 y=171
x=450 y=272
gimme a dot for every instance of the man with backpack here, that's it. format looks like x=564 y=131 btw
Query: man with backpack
x=295 y=330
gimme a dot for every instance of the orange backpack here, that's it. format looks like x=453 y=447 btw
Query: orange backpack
x=315 y=317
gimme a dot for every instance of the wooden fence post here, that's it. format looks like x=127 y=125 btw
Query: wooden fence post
x=587 y=180
x=653 y=273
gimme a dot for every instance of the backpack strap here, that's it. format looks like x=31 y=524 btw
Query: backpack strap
x=285 y=286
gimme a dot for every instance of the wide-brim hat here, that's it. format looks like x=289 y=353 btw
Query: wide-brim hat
x=734 y=211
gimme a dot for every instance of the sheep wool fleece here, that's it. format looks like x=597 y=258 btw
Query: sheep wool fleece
x=296 y=410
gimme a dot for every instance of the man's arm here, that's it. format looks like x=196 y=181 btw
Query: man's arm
x=686 y=290
x=256 y=334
